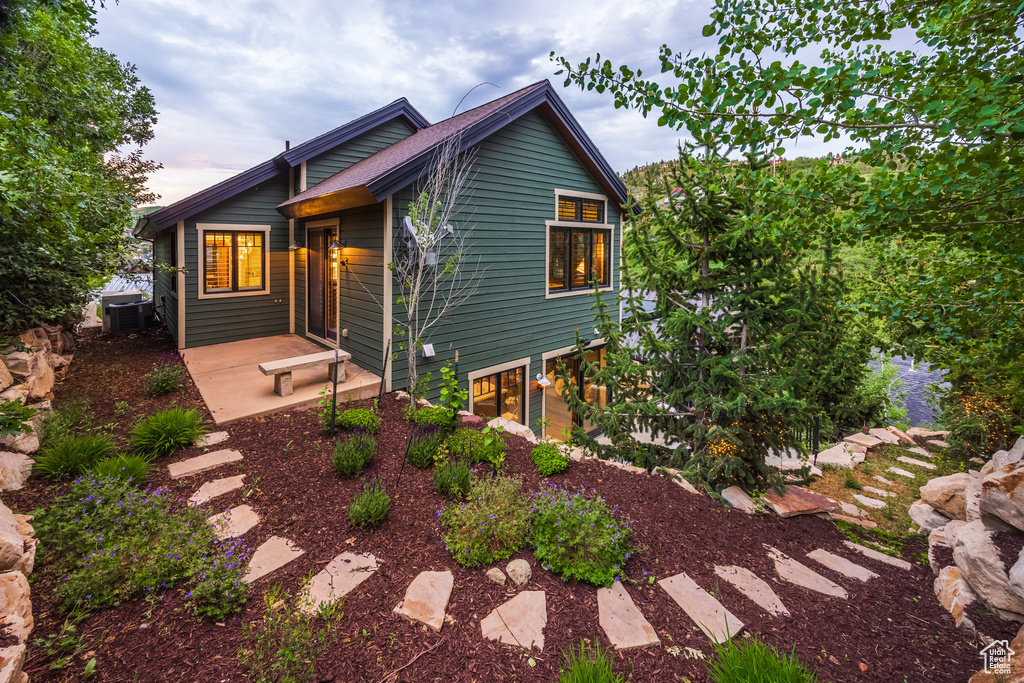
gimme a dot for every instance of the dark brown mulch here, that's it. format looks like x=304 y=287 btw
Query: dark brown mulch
x=1009 y=544
x=893 y=625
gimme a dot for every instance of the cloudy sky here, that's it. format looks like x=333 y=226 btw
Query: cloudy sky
x=234 y=79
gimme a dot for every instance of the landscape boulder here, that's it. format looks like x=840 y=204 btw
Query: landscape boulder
x=35 y=339
x=519 y=571
x=978 y=560
x=1002 y=495
x=61 y=341
x=948 y=495
x=15 y=469
x=926 y=517
x=6 y=378
x=511 y=427
x=16 y=605
x=40 y=381
x=18 y=363
x=1001 y=459
x=953 y=592
x=796 y=500
x=738 y=498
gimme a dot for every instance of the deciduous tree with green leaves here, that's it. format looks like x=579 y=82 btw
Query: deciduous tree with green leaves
x=72 y=120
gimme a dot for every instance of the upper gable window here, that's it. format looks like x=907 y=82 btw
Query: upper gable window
x=580 y=209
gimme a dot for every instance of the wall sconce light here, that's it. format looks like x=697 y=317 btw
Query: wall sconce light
x=336 y=244
x=542 y=381
x=294 y=246
x=428 y=350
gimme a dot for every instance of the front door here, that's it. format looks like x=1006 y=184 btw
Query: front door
x=322 y=287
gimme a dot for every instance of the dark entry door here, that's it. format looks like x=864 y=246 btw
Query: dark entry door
x=322 y=287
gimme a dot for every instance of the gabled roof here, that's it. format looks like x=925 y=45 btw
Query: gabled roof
x=396 y=166
x=166 y=217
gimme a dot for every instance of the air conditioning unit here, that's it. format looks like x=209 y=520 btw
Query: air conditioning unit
x=107 y=299
x=129 y=315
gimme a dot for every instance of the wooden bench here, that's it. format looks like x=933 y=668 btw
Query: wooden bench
x=282 y=369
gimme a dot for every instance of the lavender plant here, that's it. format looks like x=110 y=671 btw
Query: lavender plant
x=371 y=506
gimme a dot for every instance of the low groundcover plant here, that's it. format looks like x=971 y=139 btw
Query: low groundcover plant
x=490 y=526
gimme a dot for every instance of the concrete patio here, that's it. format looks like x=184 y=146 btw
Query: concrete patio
x=230 y=382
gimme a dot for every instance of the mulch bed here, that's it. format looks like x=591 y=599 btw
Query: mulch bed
x=890 y=629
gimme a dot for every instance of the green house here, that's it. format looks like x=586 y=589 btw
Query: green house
x=255 y=259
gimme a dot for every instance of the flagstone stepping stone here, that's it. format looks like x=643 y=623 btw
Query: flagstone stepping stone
x=738 y=498
x=916 y=463
x=202 y=463
x=866 y=523
x=885 y=481
x=622 y=622
x=917 y=450
x=796 y=500
x=233 y=523
x=879 y=492
x=884 y=435
x=841 y=565
x=865 y=440
x=875 y=555
x=427 y=598
x=851 y=509
x=938 y=442
x=901 y=435
x=275 y=553
x=336 y=580
x=870 y=502
x=520 y=621
x=711 y=617
x=903 y=473
x=751 y=585
x=212 y=439
x=840 y=455
x=926 y=433
x=217 y=487
x=792 y=571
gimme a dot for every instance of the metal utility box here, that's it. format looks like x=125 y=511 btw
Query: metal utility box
x=107 y=299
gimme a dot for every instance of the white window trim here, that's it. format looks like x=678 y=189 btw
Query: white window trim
x=548 y=294
x=323 y=223
x=201 y=257
x=495 y=369
x=544 y=358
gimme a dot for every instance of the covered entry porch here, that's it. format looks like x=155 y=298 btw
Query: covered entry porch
x=230 y=382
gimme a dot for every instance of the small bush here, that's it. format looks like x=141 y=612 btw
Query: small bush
x=437 y=417
x=352 y=455
x=371 y=506
x=579 y=536
x=549 y=458
x=485 y=446
x=359 y=418
x=751 y=661
x=488 y=527
x=423 y=447
x=851 y=480
x=452 y=479
x=164 y=378
x=130 y=468
x=165 y=432
x=587 y=666
x=69 y=418
x=72 y=456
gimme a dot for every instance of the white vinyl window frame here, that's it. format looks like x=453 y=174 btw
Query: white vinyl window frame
x=496 y=369
x=548 y=225
x=202 y=229
x=322 y=223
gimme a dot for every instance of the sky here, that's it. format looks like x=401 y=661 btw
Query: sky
x=234 y=79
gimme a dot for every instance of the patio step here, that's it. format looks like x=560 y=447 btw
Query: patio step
x=202 y=463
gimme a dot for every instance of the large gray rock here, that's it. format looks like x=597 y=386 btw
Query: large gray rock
x=979 y=563
x=519 y=571
x=1017 y=452
x=12 y=545
x=1002 y=495
x=926 y=517
x=6 y=379
x=948 y=495
x=1000 y=459
x=737 y=497
x=15 y=469
x=18 y=363
x=972 y=499
x=16 y=605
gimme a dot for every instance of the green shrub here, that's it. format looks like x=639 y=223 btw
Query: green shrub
x=131 y=468
x=587 y=666
x=15 y=417
x=164 y=378
x=371 y=506
x=549 y=458
x=286 y=643
x=166 y=432
x=352 y=455
x=751 y=661
x=483 y=446
x=979 y=424
x=423 y=446
x=437 y=417
x=452 y=478
x=69 y=418
x=359 y=418
x=110 y=542
x=851 y=480
x=488 y=527
x=578 y=536
x=72 y=456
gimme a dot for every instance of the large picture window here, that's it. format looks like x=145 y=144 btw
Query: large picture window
x=579 y=245
x=233 y=261
x=502 y=394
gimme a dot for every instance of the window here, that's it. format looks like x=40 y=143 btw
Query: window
x=502 y=394
x=579 y=254
x=233 y=261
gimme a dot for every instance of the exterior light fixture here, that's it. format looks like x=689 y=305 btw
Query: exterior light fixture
x=542 y=381
x=337 y=245
x=294 y=246
x=428 y=350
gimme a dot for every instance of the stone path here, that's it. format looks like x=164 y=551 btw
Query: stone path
x=748 y=583
x=792 y=571
x=879 y=492
x=851 y=509
x=711 y=617
x=863 y=440
x=426 y=599
x=884 y=435
x=202 y=463
x=915 y=462
x=217 y=487
x=275 y=553
x=880 y=557
x=622 y=622
x=917 y=450
x=212 y=439
x=885 y=481
x=520 y=621
x=234 y=523
x=841 y=565
x=939 y=442
x=869 y=502
x=336 y=580
x=902 y=473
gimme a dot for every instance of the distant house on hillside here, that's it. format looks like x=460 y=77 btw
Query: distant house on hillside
x=544 y=203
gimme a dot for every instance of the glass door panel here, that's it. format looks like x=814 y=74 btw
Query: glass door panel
x=322 y=287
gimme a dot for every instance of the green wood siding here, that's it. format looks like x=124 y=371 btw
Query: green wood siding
x=164 y=299
x=515 y=174
x=322 y=167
